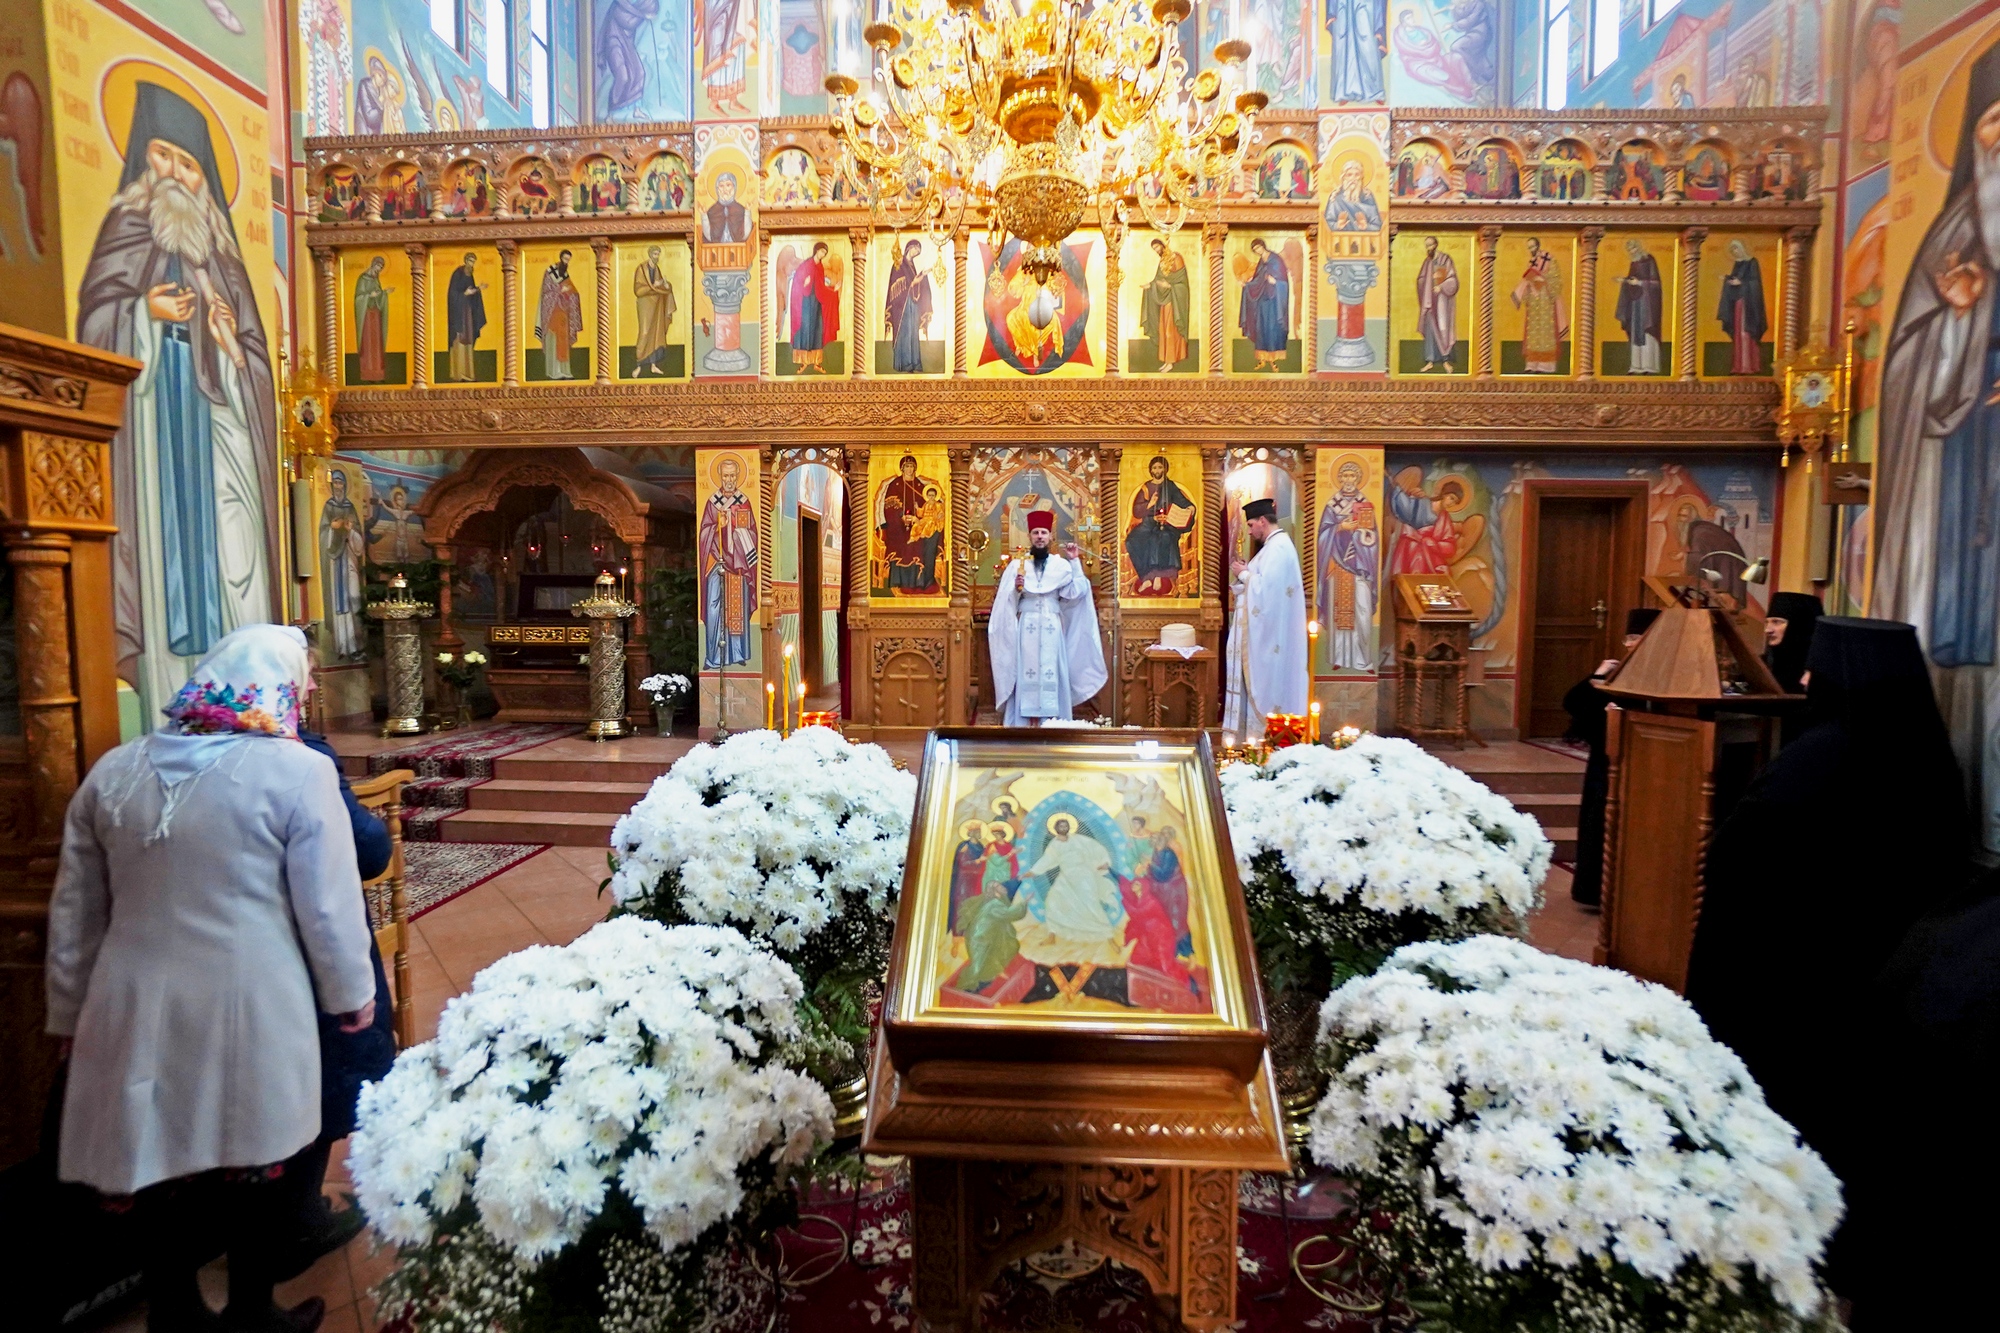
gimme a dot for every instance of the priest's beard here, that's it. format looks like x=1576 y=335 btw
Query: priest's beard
x=1986 y=180
x=1041 y=557
x=186 y=224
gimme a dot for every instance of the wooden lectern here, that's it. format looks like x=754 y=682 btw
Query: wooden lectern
x=1051 y=1084
x=1694 y=716
x=1433 y=648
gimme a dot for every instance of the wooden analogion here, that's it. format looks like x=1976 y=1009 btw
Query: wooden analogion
x=1073 y=1039
x=1694 y=718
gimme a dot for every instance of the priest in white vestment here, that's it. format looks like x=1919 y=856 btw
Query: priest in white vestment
x=1267 y=668
x=1043 y=632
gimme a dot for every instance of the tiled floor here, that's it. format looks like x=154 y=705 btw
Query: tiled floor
x=552 y=898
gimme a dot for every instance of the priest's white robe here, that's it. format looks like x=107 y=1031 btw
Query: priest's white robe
x=1267 y=641
x=1043 y=640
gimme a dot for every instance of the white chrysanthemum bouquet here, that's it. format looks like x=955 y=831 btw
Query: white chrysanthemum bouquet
x=1542 y=1143
x=633 y=1089
x=1347 y=855
x=797 y=841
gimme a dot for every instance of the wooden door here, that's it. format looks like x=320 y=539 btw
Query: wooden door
x=1576 y=560
x=812 y=637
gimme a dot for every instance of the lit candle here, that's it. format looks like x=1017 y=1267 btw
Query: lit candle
x=1314 y=710
x=770 y=705
x=802 y=703
x=621 y=583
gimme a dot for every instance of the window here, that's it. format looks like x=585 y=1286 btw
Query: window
x=448 y=22
x=1659 y=9
x=500 y=46
x=541 y=88
x=1603 y=35
x=1555 y=58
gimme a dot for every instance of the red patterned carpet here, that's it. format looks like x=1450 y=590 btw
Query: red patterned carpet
x=870 y=1288
x=437 y=872
x=450 y=765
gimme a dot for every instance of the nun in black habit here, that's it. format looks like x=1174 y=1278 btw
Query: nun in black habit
x=1920 y=1203
x=1853 y=832
x=1585 y=704
x=1788 y=634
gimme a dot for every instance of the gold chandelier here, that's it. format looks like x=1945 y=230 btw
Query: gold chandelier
x=1035 y=109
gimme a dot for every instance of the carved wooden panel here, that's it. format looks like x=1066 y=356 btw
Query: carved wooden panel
x=68 y=481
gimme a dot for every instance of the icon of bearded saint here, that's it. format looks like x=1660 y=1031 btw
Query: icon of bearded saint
x=197 y=452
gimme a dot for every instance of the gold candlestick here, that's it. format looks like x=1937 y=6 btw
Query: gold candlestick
x=605 y=609
x=403 y=649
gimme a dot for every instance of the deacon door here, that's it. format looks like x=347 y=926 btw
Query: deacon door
x=812 y=633
x=1582 y=545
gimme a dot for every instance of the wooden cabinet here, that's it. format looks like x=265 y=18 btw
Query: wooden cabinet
x=1695 y=709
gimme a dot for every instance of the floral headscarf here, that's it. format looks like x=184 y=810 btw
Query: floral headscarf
x=252 y=681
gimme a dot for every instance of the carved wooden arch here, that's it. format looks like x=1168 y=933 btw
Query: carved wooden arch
x=492 y=473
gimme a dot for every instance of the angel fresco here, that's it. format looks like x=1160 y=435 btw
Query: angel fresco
x=810 y=287
x=1443 y=525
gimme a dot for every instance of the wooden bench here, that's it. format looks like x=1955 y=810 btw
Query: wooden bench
x=388 y=897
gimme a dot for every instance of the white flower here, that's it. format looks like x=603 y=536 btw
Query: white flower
x=1384 y=826
x=1547 y=1111
x=634 y=1057
x=776 y=836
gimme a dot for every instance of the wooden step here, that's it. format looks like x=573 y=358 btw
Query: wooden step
x=569 y=797
x=563 y=828
x=1550 y=808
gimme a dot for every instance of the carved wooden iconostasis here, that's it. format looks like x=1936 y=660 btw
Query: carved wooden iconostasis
x=1389 y=321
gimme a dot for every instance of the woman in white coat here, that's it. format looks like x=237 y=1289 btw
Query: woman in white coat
x=206 y=907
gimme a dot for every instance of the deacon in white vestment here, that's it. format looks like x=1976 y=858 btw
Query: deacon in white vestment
x=1043 y=632
x=1267 y=629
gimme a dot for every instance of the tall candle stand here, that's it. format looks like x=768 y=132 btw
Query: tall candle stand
x=606 y=608
x=403 y=654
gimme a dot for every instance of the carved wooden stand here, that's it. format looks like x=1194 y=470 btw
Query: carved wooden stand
x=1177 y=1226
x=1167 y=670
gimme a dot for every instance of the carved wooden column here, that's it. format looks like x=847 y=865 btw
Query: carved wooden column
x=1114 y=266
x=860 y=508
x=600 y=246
x=510 y=314
x=767 y=609
x=1482 y=309
x=1307 y=482
x=1309 y=335
x=40 y=562
x=1796 y=300
x=1213 y=570
x=1685 y=338
x=324 y=273
x=960 y=691
x=767 y=336
x=961 y=246
x=1212 y=236
x=420 y=315
x=1584 y=358
x=1110 y=459
x=857 y=319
